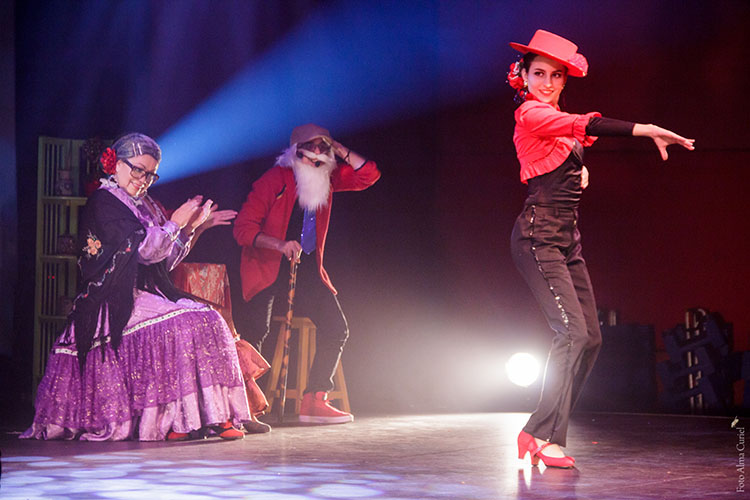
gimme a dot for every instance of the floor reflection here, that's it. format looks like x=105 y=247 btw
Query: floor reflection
x=456 y=457
x=131 y=475
x=549 y=482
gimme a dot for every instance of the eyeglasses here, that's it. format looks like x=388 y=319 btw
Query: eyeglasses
x=322 y=146
x=139 y=173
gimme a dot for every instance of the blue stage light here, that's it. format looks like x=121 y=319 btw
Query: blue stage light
x=351 y=66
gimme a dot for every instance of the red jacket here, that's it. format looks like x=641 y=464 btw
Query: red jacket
x=267 y=210
x=544 y=136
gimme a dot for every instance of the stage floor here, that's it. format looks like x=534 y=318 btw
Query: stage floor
x=467 y=456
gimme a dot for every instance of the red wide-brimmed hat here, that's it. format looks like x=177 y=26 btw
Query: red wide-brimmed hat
x=557 y=48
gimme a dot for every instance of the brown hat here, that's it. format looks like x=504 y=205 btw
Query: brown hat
x=307 y=132
x=557 y=48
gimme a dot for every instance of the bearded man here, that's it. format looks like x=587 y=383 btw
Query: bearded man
x=287 y=214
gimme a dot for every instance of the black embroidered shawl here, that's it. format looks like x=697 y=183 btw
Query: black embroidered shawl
x=109 y=235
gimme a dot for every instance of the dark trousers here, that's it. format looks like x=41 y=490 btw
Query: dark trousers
x=546 y=247
x=312 y=299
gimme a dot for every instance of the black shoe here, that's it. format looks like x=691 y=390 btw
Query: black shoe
x=256 y=427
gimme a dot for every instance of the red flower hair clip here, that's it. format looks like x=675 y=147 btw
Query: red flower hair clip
x=109 y=161
x=515 y=80
x=514 y=76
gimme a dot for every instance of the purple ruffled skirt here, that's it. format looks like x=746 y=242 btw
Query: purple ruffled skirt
x=176 y=369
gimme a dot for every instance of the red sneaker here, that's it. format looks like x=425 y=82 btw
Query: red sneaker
x=316 y=409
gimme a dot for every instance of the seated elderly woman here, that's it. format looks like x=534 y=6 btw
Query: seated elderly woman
x=139 y=359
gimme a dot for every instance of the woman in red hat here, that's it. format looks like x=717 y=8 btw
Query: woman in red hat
x=546 y=243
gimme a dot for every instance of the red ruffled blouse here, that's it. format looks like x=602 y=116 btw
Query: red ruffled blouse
x=544 y=136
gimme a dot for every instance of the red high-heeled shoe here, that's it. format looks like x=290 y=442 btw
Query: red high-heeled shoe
x=565 y=462
x=527 y=444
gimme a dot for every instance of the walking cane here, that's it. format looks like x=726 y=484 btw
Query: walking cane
x=284 y=375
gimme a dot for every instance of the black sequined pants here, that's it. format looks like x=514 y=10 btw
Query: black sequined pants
x=546 y=247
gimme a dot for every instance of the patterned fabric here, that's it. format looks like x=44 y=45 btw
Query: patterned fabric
x=109 y=234
x=158 y=380
x=307 y=238
x=210 y=282
x=176 y=366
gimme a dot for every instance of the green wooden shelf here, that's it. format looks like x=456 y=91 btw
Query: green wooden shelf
x=62 y=166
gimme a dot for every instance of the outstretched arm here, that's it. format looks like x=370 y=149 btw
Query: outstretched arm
x=662 y=138
x=602 y=126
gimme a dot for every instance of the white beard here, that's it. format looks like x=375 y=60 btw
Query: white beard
x=313 y=183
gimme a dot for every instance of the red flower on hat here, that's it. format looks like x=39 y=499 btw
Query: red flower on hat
x=579 y=62
x=109 y=161
x=514 y=76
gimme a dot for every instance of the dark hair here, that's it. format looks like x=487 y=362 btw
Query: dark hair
x=529 y=57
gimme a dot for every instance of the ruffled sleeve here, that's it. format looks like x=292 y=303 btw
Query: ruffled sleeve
x=543 y=120
x=579 y=128
x=163 y=240
x=544 y=136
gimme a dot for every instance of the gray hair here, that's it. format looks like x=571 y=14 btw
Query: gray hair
x=136 y=144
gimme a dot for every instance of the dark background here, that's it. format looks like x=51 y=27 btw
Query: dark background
x=421 y=259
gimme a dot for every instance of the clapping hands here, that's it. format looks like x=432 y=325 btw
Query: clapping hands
x=194 y=214
x=219 y=217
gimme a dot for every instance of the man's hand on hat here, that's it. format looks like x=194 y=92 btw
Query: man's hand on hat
x=339 y=149
x=346 y=154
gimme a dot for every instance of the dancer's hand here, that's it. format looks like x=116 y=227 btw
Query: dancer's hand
x=663 y=138
x=584 y=177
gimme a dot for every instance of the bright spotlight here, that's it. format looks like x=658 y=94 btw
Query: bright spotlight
x=522 y=369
